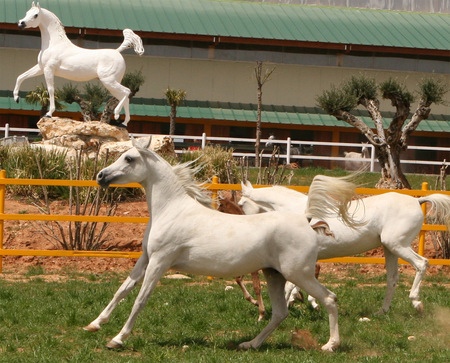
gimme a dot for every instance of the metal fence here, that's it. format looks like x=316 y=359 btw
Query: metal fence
x=287 y=147
x=214 y=187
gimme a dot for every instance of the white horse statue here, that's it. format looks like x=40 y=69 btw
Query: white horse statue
x=60 y=57
x=391 y=220
x=180 y=236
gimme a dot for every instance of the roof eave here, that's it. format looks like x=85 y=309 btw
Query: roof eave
x=216 y=39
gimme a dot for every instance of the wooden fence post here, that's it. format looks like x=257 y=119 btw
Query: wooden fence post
x=422 y=232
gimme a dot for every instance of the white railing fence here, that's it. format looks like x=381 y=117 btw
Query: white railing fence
x=289 y=149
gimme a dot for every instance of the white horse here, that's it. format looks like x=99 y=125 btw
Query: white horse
x=391 y=220
x=60 y=57
x=353 y=159
x=184 y=235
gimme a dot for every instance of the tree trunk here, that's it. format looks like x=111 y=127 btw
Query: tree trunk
x=392 y=176
x=108 y=112
x=173 y=114
x=258 y=129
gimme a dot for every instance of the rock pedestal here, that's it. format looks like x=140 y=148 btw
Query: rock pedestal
x=93 y=137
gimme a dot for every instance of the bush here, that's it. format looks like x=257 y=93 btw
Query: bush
x=212 y=160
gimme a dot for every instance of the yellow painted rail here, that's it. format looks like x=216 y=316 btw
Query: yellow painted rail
x=214 y=187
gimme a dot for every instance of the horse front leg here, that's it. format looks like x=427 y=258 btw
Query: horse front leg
x=49 y=75
x=136 y=276
x=32 y=72
x=153 y=273
x=275 y=286
x=328 y=299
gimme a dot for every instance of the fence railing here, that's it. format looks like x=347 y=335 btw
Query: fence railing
x=214 y=187
x=288 y=147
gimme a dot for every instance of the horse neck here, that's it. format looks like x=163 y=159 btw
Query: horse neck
x=164 y=192
x=52 y=31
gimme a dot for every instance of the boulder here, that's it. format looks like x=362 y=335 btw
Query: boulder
x=93 y=137
x=86 y=135
x=162 y=144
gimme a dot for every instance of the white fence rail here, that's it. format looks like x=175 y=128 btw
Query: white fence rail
x=287 y=147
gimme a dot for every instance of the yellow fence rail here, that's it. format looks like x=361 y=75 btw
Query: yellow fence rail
x=215 y=186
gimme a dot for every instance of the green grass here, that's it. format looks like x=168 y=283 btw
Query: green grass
x=198 y=321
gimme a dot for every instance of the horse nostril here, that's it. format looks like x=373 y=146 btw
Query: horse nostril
x=21 y=24
x=100 y=175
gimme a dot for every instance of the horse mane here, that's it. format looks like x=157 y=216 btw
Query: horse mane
x=185 y=177
x=57 y=21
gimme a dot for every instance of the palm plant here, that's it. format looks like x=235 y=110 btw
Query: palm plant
x=40 y=96
x=174 y=99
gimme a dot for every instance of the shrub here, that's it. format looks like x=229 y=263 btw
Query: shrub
x=212 y=160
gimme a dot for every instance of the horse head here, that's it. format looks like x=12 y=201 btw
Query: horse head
x=32 y=18
x=130 y=167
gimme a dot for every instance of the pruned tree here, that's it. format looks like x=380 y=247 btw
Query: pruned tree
x=131 y=80
x=41 y=97
x=90 y=101
x=262 y=76
x=174 y=99
x=389 y=143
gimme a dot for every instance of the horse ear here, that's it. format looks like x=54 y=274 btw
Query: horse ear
x=141 y=143
x=32 y=4
x=246 y=188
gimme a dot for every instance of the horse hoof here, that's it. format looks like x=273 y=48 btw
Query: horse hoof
x=48 y=116
x=16 y=99
x=329 y=347
x=245 y=346
x=419 y=306
x=113 y=345
x=92 y=328
x=122 y=126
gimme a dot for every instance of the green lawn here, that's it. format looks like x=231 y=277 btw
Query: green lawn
x=198 y=321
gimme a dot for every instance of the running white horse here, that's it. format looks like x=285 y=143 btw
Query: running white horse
x=184 y=235
x=60 y=57
x=391 y=220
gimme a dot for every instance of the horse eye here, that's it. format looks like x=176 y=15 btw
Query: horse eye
x=35 y=16
x=128 y=159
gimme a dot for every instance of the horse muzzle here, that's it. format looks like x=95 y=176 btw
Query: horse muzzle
x=102 y=180
x=21 y=24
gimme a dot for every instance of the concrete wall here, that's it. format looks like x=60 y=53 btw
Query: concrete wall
x=216 y=80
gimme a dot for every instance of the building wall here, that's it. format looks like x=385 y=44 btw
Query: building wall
x=220 y=80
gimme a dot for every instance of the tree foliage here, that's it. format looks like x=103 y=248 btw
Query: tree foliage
x=40 y=97
x=390 y=142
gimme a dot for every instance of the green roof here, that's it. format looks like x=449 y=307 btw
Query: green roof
x=220 y=111
x=264 y=21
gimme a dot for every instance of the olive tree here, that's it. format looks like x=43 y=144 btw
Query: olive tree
x=390 y=141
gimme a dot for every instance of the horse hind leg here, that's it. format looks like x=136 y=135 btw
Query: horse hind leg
x=275 y=286
x=391 y=279
x=420 y=264
x=121 y=93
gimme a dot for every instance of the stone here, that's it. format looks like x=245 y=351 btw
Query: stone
x=86 y=135
x=93 y=137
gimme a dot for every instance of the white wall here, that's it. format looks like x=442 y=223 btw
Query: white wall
x=215 y=80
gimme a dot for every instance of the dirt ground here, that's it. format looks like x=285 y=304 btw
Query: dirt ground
x=126 y=237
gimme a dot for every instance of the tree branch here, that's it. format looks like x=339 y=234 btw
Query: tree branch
x=360 y=125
